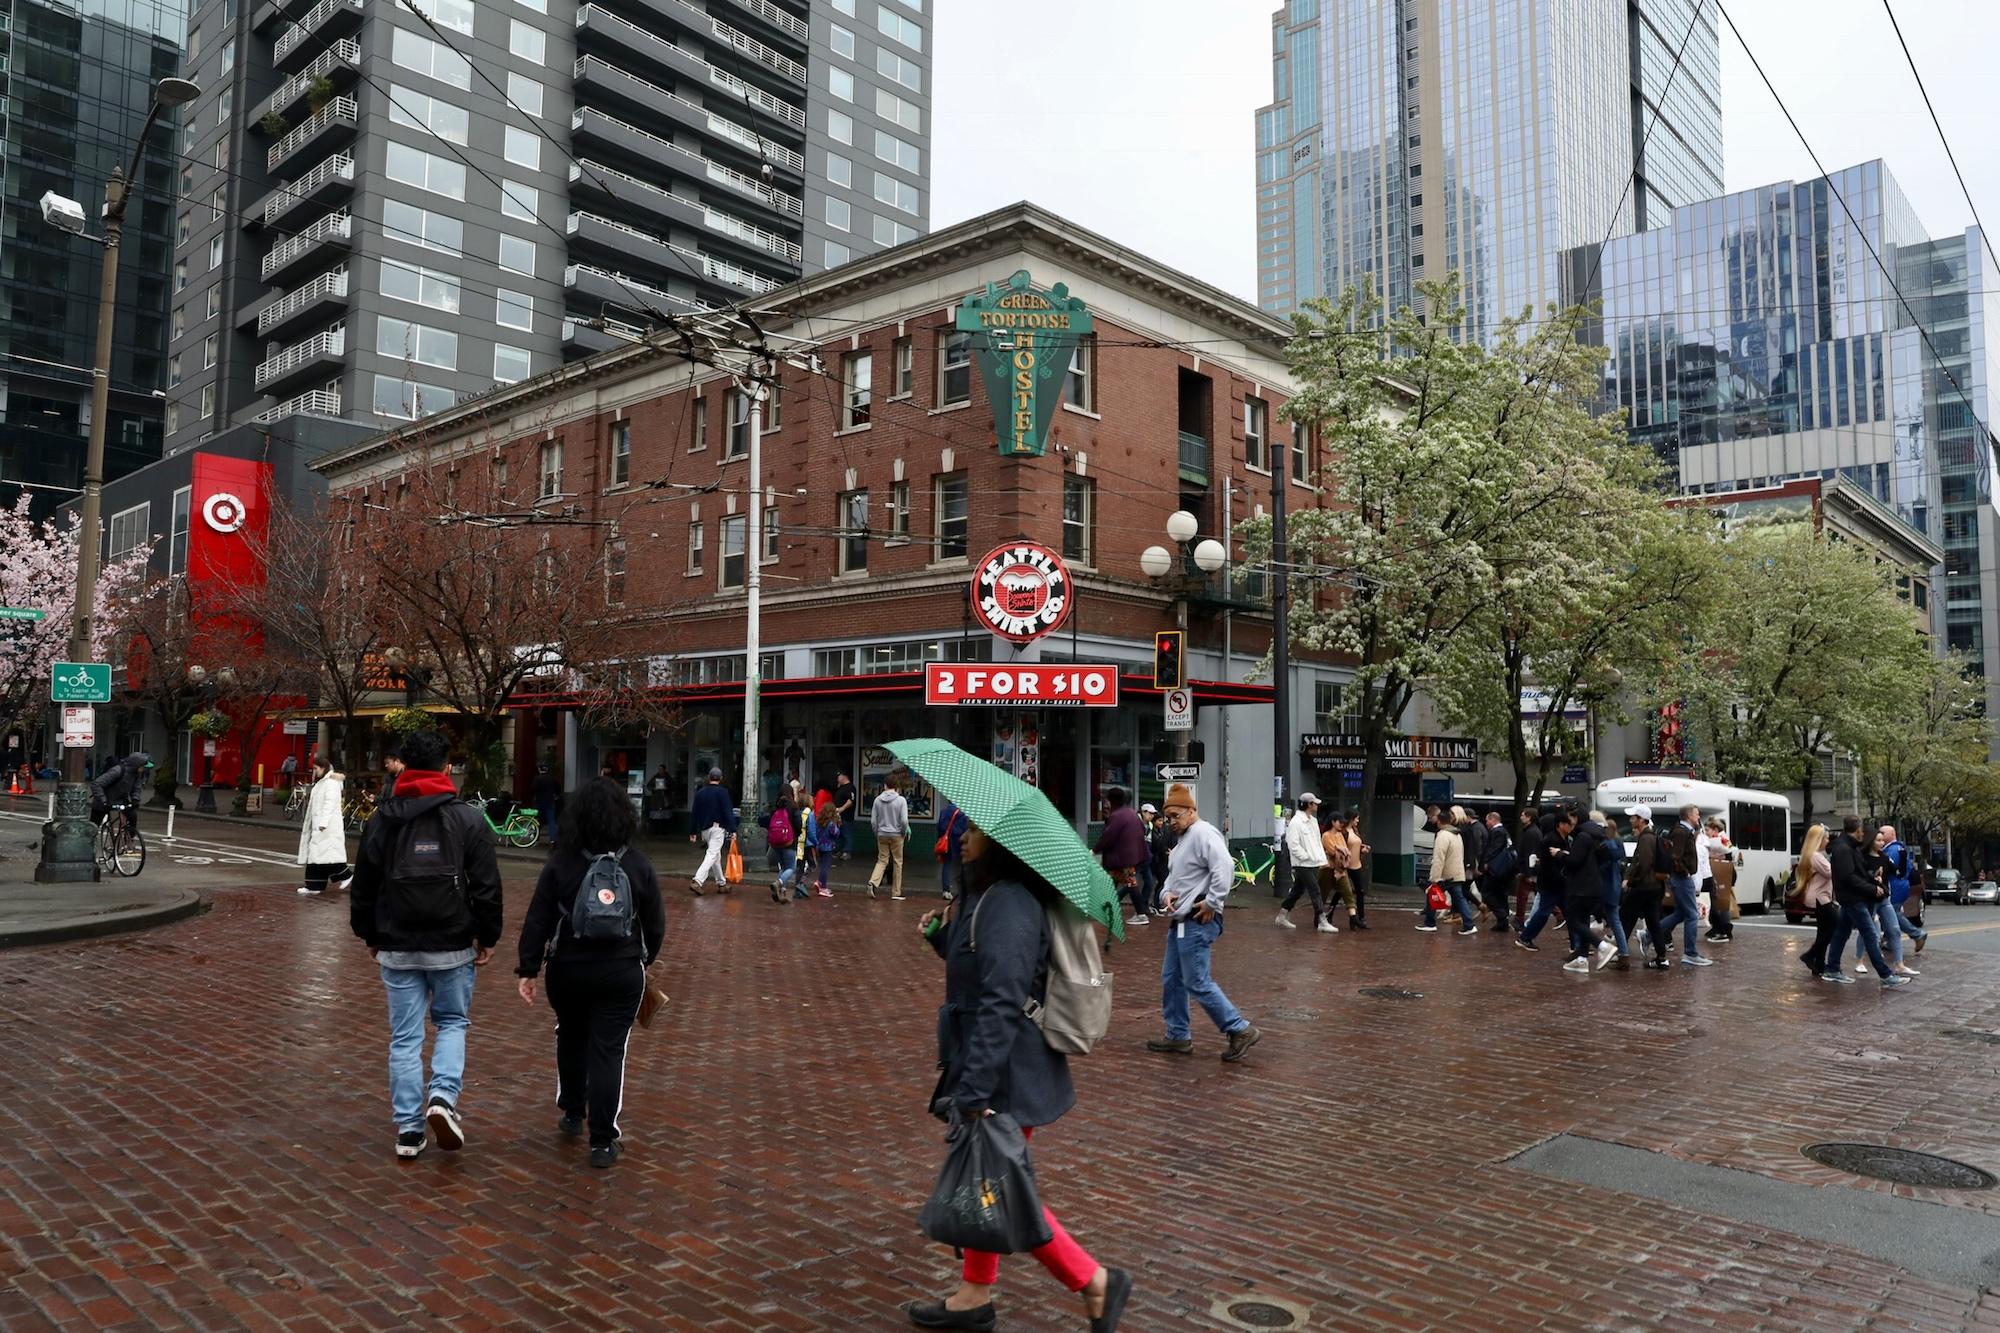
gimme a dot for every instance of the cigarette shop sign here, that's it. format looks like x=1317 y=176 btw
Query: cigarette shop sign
x=1401 y=754
x=1065 y=685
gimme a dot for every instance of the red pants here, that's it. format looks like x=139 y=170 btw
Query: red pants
x=1062 y=1256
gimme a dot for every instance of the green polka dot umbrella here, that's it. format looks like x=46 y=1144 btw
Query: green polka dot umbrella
x=1019 y=818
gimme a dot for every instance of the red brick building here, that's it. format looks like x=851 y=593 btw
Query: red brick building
x=884 y=485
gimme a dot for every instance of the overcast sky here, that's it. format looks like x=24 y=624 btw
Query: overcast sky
x=1136 y=117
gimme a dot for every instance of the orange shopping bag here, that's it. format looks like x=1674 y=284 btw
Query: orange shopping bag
x=732 y=863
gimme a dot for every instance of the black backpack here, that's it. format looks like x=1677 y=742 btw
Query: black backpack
x=425 y=875
x=602 y=909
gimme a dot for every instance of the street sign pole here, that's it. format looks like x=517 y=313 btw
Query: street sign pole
x=69 y=851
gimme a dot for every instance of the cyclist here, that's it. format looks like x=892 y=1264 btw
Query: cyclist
x=118 y=785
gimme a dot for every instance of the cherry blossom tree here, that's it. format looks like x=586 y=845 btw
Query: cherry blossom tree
x=38 y=563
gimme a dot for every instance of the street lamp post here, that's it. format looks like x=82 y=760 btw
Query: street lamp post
x=68 y=840
x=1156 y=562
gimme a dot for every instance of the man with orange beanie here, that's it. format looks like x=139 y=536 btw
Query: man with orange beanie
x=1199 y=875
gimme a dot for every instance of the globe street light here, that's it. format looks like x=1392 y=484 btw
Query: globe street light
x=1210 y=556
x=1155 y=561
x=1182 y=527
x=68 y=841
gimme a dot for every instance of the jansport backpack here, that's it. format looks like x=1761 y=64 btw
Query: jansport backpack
x=423 y=875
x=603 y=906
x=780 y=829
x=1074 y=1012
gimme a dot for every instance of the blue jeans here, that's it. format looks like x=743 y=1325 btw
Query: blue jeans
x=788 y=866
x=1858 y=919
x=1184 y=975
x=1894 y=925
x=1686 y=915
x=446 y=997
x=1460 y=902
x=1538 y=916
x=1608 y=904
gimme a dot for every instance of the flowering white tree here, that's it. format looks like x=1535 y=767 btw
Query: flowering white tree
x=38 y=564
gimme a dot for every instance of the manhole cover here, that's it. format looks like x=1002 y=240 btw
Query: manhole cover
x=1385 y=993
x=1899 y=1166
x=1294 y=1015
x=1973 y=1035
x=1262 y=1314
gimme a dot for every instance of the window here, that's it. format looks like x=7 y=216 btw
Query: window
x=698 y=437
x=539 y=6
x=899 y=112
x=187 y=181
x=1079 y=519
x=524 y=92
x=899 y=511
x=194 y=48
x=514 y=310
x=214 y=253
x=768 y=521
x=843 y=42
x=1301 y=451
x=527 y=41
x=891 y=149
x=229 y=55
x=897 y=28
x=736 y=444
x=173 y=417
x=407 y=341
x=523 y=148
x=852 y=519
x=177 y=531
x=180 y=275
x=420 y=226
x=453 y=14
x=951 y=508
x=892 y=233
x=845 y=6
x=839 y=170
x=519 y=201
x=837 y=254
x=426 y=171
x=179 y=325
x=694 y=548
x=895 y=193
x=208 y=346
x=838 y=214
x=420 y=286
x=840 y=127
x=214 y=301
x=224 y=105
x=207 y=401
x=614 y=571
x=550 y=469
x=905 y=363
x=621 y=452
x=1256 y=428
x=774 y=407
x=840 y=83
x=905 y=72
x=414 y=52
x=173 y=372
x=1080 y=386
x=517 y=255
x=215 y=206
x=857 y=374
x=735 y=536
x=129 y=529
x=511 y=365
x=954 y=368
x=407 y=106
x=500 y=475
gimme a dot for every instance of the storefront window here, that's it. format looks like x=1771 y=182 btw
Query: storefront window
x=1114 y=761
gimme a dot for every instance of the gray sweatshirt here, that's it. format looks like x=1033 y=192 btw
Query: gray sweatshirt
x=890 y=815
x=1199 y=870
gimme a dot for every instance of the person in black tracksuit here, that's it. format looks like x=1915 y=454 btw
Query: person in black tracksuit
x=1583 y=881
x=1645 y=873
x=594 y=985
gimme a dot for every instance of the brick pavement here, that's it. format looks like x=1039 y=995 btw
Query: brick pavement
x=196 y=1136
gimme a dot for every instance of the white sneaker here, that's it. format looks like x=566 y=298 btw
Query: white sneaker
x=1606 y=951
x=1861 y=968
x=1326 y=927
x=1907 y=971
x=1577 y=965
x=1286 y=922
x=1137 y=921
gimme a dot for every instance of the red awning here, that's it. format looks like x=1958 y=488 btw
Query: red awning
x=898 y=686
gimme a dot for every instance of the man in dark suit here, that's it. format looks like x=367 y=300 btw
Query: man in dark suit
x=1856 y=891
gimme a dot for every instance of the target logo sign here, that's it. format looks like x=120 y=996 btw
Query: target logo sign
x=1021 y=591
x=223 y=512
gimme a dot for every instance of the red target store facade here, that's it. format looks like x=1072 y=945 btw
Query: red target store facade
x=888 y=488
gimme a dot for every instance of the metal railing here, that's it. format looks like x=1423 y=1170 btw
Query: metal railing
x=776 y=17
x=338 y=167
x=757 y=97
x=326 y=284
x=731 y=225
x=721 y=270
x=340 y=108
x=334 y=226
x=346 y=52
x=715 y=171
x=571 y=271
x=303 y=28
x=331 y=343
x=314 y=403
x=718 y=125
x=1194 y=455
x=757 y=51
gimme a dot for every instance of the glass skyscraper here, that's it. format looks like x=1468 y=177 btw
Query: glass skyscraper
x=1413 y=138
x=1765 y=336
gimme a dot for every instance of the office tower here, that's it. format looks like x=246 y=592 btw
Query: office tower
x=1408 y=139
x=75 y=86
x=1757 y=339
x=408 y=207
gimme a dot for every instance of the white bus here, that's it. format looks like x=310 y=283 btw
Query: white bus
x=1759 y=825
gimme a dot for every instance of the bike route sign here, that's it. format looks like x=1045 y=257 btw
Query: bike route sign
x=80 y=683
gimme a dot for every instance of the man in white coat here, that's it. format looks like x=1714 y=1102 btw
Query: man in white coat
x=1308 y=852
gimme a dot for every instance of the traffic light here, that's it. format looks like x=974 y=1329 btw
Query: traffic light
x=1170 y=659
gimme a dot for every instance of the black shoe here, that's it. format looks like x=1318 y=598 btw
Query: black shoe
x=1240 y=1042
x=1117 y=1290
x=1357 y=925
x=1171 y=1045
x=411 y=1143
x=1659 y=964
x=933 y=1314
x=1813 y=965
x=444 y=1124
x=603 y=1155
x=570 y=1127
x=1527 y=944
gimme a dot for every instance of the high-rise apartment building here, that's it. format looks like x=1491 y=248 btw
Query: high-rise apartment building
x=75 y=85
x=389 y=209
x=1766 y=336
x=1408 y=139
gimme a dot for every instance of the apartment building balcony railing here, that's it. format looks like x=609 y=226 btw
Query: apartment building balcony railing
x=341 y=115
x=321 y=347
x=330 y=18
x=589 y=122
x=338 y=65
x=327 y=290
x=313 y=403
x=595 y=72
x=632 y=241
x=334 y=174
x=616 y=289
x=776 y=17
x=335 y=229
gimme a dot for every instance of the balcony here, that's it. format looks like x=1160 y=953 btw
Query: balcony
x=616 y=238
x=326 y=20
x=330 y=180
x=771 y=59
x=318 y=299
x=603 y=287
x=336 y=121
x=595 y=178
x=313 y=403
x=318 y=354
x=1194 y=459
x=291 y=254
x=591 y=126
x=586 y=337
x=600 y=30
x=786 y=23
x=595 y=74
x=339 y=65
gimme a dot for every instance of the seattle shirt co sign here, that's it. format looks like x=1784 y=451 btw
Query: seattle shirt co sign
x=1021 y=591
x=1022 y=341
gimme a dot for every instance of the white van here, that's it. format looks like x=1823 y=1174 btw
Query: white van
x=1759 y=825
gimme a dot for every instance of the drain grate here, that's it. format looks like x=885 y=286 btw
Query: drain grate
x=1900 y=1166
x=1262 y=1314
x=1391 y=993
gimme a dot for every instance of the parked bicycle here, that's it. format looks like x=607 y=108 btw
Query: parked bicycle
x=295 y=804
x=519 y=826
x=121 y=848
x=357 y=810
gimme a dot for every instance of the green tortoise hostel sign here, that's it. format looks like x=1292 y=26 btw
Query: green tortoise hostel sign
x=1022 y=341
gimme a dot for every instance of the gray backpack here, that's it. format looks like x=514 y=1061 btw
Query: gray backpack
x=603 y=906
x=1074 y=1012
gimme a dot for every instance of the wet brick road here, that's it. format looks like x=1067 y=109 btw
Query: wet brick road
x=196 y=1136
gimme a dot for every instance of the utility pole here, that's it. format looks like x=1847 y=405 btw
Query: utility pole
x=752 y=795
x=1281 y=674
x=1228 y=667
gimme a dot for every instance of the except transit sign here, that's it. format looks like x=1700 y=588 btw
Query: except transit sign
x=1028 y=683
x=1022 y=341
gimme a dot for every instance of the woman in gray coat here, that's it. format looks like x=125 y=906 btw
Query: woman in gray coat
x=995 y=1061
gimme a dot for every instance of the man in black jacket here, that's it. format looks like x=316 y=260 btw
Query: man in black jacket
x=1497 y=867
x=1682 y=865
x=425 y=899
x=1575 y=856
x=1641 y=900
x=119 y=785
x=1527 y=848
x=1855 y=890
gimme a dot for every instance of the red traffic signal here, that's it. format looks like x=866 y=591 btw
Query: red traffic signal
x=1170 y=659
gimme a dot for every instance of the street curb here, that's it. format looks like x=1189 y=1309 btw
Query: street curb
x=184 y=904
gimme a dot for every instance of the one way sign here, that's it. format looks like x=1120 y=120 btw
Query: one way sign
x=1177 y=772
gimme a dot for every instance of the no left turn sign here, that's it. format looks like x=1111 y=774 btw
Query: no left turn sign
x=1180 y=710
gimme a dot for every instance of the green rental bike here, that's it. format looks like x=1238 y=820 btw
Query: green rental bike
x=520 y=827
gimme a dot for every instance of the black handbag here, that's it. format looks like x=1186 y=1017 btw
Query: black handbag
x=985 y=1196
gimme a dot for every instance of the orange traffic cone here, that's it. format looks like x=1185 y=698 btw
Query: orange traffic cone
x=14 y=783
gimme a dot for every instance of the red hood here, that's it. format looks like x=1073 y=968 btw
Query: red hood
x=424 y=782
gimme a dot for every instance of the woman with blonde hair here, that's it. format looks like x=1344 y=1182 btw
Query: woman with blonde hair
x=1815 y=872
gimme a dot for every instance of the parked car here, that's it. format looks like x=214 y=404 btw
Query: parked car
x=1942 y=883
x=1978 y=891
